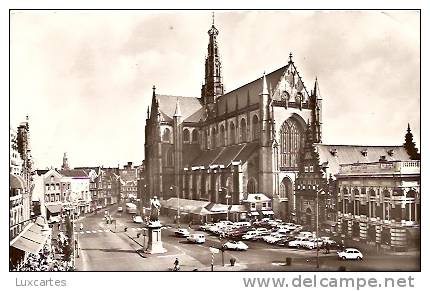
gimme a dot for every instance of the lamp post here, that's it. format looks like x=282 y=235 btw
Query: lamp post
x=177 y=194
x=227 y=196
x=317 y=213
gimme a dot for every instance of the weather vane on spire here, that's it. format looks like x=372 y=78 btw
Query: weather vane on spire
x=213 y=18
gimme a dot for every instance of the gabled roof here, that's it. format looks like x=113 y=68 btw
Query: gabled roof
x=195 y=117
x=333 y=156
x=286 y=78
x=74 y=173
x=167 y=105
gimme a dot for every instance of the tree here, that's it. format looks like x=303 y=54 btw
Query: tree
x=409 y=145
x=68 y=251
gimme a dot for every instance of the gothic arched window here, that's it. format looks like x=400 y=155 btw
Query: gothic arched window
x=243 y=130
x=222 y=136
x=166 y=135
x=213 y=138
x=186 y=135
x=169 y=158
x=194 y=136
x=205 y=139
x=252 y=185
x=291 y=142
x=232 y=133
x=255 y=128
x=286 y=188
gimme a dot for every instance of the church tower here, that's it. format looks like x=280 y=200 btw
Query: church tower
x=213 y=87
x=65 y=165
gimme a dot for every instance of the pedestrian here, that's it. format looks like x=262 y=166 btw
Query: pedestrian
x=176 y=265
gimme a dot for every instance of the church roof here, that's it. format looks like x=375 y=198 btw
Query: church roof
x=333 y=156
x=225 y=155
x=167 y=105
x=196 y=116
x=190 y=153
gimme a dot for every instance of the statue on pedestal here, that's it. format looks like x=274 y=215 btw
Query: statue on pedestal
x=155 y=245
x=155 y=212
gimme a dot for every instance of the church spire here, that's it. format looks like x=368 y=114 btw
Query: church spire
x=177 y=109
x=212 y=87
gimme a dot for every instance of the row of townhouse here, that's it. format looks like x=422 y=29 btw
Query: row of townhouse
x=81 y=190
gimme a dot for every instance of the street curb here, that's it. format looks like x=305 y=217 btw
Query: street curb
x=138 y=251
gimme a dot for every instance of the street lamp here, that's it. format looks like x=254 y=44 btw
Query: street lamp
x=177 y=192
x=317 y=212
x=227 y=196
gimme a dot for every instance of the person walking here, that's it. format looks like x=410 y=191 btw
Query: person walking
x=176 y=265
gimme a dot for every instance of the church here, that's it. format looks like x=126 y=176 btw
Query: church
x=222 y=146
x=256 y=151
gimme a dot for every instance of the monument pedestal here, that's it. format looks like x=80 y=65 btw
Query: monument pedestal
x=155 y=245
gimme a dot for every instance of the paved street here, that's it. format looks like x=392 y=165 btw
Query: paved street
x=102 y=248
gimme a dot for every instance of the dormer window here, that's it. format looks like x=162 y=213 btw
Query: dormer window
x=311 y=169
x=382 y=158
x=364 y=152
x=390 y=152
x=333 y=152
x=306 y=169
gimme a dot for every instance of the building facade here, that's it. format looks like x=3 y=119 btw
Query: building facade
x=317 y=186
x=379 y=203
x=247 y=140
x=128 y=181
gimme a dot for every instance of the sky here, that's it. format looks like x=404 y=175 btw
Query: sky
x=85 y=78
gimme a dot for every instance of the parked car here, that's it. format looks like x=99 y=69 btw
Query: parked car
x=137 y=219
x=120 y=209
x=273 y=238
x=350 y=254
x=305 y=234
x=182 y=232
x=235 y=245
x=240 y=224
x=250 y=234
x=225 y=222
x=198 y=238
x=296 y=243
x=206 y=226
x=239 y=232
x=312 y=243
x=284 y=241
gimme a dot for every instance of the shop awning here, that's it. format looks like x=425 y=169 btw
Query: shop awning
x=30 y=240
x=267 y=212
x=201 y=211
x=27 y=246
x=254 y=213
x=237 y=208
x=217 y=208
x=55 y=208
